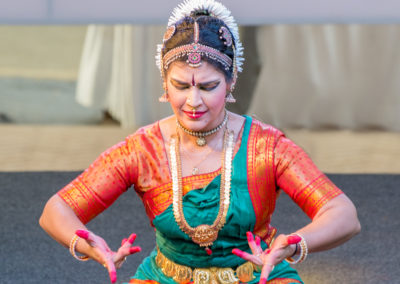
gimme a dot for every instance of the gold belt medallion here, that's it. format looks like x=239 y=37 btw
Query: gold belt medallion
x=214 y=275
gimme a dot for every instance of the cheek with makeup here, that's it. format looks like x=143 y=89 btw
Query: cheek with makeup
x=197 y=95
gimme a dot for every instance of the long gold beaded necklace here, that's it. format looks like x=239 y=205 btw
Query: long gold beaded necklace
x=203 y=235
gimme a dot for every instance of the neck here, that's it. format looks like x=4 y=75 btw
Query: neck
x=189 y=136
x=190 y=142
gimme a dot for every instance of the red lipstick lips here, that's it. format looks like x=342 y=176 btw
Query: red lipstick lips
x=194 y=114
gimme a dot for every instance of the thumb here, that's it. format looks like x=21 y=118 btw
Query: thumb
x=293 y=239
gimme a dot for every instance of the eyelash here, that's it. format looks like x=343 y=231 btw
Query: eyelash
x=181 y=88
x=209 y=88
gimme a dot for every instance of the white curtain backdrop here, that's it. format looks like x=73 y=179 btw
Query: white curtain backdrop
x=118 y=73
x=312 y=76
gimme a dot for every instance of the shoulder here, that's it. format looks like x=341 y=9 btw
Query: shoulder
x=144 y=137
x=150 y=130
x=275 y=138
x=263 y=129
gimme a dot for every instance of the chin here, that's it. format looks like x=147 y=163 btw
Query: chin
x=203 y=123
x=194 y=124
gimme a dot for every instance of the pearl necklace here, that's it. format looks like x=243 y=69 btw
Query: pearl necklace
x=201 y=140
x=203 y=235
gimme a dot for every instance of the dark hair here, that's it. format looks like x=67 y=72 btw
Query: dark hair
x=209 y=35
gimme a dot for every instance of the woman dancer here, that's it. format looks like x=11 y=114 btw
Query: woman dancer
x=208 y=178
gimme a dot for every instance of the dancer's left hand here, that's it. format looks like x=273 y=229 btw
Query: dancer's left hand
x=281 y=248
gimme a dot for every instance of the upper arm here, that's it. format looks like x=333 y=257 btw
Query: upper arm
x=299 y=177
x=340 y=203
x=111 y=174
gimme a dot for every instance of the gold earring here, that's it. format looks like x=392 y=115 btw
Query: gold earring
x=163 y=98
x=230 y=98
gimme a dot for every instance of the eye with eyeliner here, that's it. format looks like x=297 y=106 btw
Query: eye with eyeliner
x=180 y=86
x=208 y=87
x=204 y=87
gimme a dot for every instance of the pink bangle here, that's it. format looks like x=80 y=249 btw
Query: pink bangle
x=303 y=251
x=72 y=246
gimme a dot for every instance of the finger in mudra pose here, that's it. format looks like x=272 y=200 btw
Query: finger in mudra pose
x=208 y=178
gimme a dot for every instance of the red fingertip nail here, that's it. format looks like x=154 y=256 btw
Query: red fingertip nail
x=268 y=251
x=113 y=276
x=293 y=240
x=250 y=236
x=82 y=234
x=237 y=252
x=135 y=249
x=123 y=241
x=258 y=240
x=132 y=238
x=263 y=280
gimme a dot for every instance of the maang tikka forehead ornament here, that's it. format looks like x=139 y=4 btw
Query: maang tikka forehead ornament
x=195 y=50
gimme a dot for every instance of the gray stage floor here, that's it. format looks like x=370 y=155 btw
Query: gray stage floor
x=28 y=255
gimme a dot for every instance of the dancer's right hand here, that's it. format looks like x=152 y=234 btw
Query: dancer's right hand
x=111 y=260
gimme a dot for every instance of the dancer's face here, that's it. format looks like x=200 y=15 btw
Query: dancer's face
x=197 y=95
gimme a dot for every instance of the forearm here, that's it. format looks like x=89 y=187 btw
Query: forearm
x=61 y=222
x=333 y=225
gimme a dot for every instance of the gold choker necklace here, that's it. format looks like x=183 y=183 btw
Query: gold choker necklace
x=201 y=140
x=203 y=235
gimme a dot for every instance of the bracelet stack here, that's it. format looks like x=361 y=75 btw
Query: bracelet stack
x=303 y=251
x=72 y=246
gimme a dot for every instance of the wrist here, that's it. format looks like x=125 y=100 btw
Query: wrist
x=302 y=250
x=72 y=249
x=294 y=249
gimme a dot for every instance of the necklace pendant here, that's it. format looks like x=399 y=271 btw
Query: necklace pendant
x=204 y=235
x=195 y=171
x=201 y=141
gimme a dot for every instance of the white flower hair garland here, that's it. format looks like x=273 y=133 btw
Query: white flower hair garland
x=217 y=10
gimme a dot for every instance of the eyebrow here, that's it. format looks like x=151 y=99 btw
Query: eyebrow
x=202 y=84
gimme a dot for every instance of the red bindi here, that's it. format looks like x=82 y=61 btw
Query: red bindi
x=193 y=82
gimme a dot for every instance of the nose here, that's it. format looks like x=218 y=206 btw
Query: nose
x=194 y=97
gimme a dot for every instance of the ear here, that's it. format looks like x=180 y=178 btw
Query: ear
x=229 y=89
x=164 y=98
x=230 y=86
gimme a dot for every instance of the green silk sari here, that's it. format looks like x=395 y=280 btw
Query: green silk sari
x=201 y=206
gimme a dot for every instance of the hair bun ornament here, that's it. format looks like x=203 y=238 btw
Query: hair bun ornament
x=199 y=13
x=225 y=35
x=215 y=9
x=169 y=33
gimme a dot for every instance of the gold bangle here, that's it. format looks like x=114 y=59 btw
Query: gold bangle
x=303 y=251
x=72 y=246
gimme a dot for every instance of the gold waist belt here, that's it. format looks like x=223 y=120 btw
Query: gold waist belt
x=212 y=275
